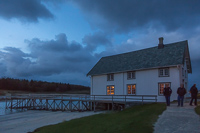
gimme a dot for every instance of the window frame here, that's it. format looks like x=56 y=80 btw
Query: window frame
x=163 y=87
x=164 y=72
x=132 y=73
x=110 y=89
x=131 y=89
x=110 y=77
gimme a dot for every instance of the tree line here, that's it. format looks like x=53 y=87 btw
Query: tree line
x=38 y=86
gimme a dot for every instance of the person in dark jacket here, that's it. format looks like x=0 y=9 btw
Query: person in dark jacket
x=181 y=91
x=167 y=93
x=194 y=92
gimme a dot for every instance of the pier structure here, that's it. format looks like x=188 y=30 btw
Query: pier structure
x=75 y=102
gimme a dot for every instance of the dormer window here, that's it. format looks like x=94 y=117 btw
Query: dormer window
x=164 y=72
x=131 y=75
x=110 y=77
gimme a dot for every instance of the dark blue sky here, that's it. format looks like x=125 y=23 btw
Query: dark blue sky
x=61 y=40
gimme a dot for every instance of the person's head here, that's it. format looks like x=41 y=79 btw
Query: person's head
x=194 y=85
x=166 y=85
x=182 y=85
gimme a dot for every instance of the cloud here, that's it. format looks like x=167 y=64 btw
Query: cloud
x=93 y=41
x=48 y=59
x=125 y=16
x=24 y=10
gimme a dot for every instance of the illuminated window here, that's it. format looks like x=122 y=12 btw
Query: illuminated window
x=110 y=77
x=164 y=72
x=130 y=75
x=131 y=89
x=161 y=87
x=110 y=90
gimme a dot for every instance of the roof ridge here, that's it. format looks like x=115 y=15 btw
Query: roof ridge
x=142 y=49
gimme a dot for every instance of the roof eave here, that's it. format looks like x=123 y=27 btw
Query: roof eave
x=133 y=70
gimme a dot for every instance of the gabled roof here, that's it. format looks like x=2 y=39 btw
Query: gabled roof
x=171 y=55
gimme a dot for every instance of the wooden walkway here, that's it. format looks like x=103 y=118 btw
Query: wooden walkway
x=75 y=102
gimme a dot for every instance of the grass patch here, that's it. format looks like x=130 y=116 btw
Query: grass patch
x=137 y=119
x=197 y=109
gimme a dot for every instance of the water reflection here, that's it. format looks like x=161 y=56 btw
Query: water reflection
x=4 y=111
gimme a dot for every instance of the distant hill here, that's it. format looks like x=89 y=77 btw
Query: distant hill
x=40 y=86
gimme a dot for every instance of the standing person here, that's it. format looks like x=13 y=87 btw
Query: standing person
x=167 y=93
x=194 y=92
x=181 y=91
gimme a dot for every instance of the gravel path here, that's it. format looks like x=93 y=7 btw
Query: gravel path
x=28 y=121
x=178 y=120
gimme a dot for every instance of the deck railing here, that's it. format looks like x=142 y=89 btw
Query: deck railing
x=90 y=101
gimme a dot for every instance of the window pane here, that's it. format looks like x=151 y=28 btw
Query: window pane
x=129 y=89
x=111 y=76
x=161 y=88
x=112 y=90
x=161 y=72
x=133 y=89
x=108 y=91
x=167 y=72
x=129 y=75
x=133 y=74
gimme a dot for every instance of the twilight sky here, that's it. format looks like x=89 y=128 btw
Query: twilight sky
x=61 y=40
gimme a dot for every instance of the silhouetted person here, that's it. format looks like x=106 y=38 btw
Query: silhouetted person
x=181 y=91
x=167 y=93
x=194 y=92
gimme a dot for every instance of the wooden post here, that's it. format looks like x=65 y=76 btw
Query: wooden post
x=125 y=102
x=62 y=104
x=156 y=98
x=46 y=104
x=11 y=104
x=54 y=104
x=6 y=103
x=112 y=103
x=33 y=103
x=94 y=103
x=17 y=103
x=22 y=104
x=70 y=104
x=142 y=99
x=79 y=106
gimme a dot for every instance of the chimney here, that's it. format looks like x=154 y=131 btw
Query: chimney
x=160 y=45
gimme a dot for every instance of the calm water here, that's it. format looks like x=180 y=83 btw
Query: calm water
x=4 y=111
x=2 y=108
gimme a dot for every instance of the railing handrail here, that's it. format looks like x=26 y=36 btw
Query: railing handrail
x=124 y=98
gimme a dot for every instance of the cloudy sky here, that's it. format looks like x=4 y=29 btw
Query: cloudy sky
x=61 y=40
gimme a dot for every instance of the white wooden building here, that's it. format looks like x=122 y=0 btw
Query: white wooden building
x=143 y=72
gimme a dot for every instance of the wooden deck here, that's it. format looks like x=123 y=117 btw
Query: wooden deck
x=75 y=102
